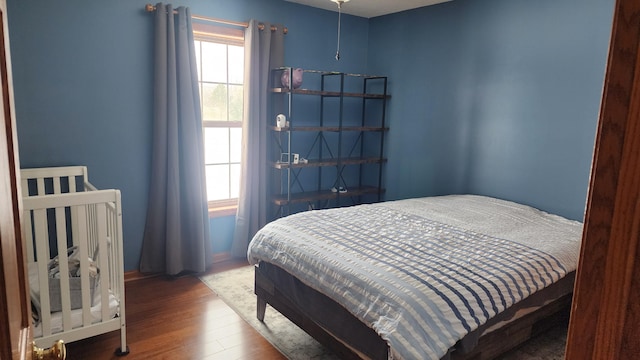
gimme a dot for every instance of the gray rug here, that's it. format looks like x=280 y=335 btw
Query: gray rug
x=235 y=287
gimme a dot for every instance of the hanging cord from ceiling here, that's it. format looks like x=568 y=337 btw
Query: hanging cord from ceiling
x=339 y=2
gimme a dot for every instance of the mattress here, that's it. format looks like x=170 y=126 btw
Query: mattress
x=76 y=315
x=423 y=272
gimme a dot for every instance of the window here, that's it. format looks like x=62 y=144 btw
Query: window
x=220 y=61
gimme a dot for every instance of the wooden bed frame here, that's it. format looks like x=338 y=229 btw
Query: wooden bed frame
x=333 y=326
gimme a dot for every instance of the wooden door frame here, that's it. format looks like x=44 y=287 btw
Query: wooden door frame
x=15 y=312
x=603 y=318
x=605 y=310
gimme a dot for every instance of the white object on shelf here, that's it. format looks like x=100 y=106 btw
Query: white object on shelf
x=281 y=120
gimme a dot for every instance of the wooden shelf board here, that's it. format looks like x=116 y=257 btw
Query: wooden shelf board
x=281 y=200
x=329 y=128
x=330 y=162
x=329 y=93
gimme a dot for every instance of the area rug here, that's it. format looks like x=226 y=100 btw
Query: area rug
x=235 y=287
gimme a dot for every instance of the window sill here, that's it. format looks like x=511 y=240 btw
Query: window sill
x=220 y=211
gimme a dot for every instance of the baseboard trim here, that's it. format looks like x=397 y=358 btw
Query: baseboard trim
x=220 y=257
x=137 y=275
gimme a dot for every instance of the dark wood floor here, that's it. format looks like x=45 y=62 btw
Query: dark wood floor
x=181 y=318
x=178 y=319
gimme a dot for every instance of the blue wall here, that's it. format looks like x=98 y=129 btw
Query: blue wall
x=83 y=85
x=496 y=97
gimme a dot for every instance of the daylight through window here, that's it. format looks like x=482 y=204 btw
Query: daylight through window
x=220 y=60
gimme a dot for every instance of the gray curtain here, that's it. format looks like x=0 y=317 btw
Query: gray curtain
x=264 y=50
x=176 y=234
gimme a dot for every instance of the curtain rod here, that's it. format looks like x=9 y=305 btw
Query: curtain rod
x=152 y=8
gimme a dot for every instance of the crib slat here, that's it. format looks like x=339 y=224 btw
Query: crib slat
x=28 y=235
x=24 y=186
x=111 y=242
x=42 y=251
x=92 y=228
x=116 y=261
x=75 y=233
x=72 y=184
x=74 y=213
x=83 y=247
x=57 y=189
x=26 y=217
x=40 y=186
x=63 y=263
x=103 y=256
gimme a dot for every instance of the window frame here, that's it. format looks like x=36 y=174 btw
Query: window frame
x=228 y=36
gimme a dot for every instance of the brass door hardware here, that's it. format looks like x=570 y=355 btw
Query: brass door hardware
x=57 y=352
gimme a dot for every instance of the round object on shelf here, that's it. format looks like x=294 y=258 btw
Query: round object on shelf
x=297 y=78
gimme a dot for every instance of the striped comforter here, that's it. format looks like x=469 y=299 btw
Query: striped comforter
x=423 y=272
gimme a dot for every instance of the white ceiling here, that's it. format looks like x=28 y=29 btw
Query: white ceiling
x=369 y=8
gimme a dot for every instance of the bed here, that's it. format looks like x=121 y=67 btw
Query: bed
x=73 y=235
x=458 y=276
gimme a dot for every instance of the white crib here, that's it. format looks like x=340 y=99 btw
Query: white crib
x=62 y=210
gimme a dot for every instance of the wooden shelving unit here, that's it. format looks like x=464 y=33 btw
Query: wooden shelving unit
x=337 y=126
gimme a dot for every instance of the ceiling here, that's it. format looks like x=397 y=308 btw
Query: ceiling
x=369 y=8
